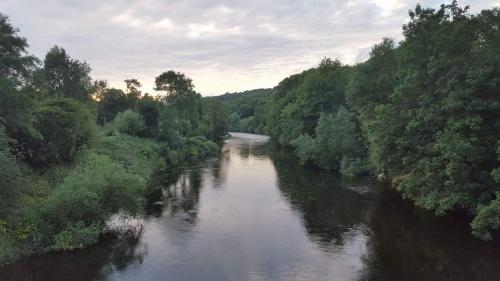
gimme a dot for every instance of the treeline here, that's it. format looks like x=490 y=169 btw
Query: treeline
x=246 y=111
x=424 y=112
x=74 y=152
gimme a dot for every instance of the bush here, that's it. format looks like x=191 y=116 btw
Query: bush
x=10 y=178
x=200 y=146
x=129 y=122
x=9 y=250
x=338 y=144
x=138 y=155
x=305 y=148
x=487 y=219
x=77 y=236
x=96 y=189
x=66 y=126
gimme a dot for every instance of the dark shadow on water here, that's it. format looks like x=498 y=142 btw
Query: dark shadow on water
x=409 y=243
x=93 y=263
x=329 y=204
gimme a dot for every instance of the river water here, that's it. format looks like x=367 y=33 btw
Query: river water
x=254 y=214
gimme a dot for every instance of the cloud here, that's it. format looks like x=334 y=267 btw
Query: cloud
x=207 y=29
x=223 y=45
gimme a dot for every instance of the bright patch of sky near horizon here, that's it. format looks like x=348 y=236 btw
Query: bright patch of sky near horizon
x=224 y=46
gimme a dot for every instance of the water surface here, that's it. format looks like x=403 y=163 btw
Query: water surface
x=254 y=214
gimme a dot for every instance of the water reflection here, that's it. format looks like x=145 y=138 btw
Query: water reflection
x=253 y=213
x=94 y=263
x=329 y=205
x=411 y=244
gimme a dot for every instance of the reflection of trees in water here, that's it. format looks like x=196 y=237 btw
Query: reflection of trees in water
x=183 y=195
x=412 y=244
x=94 y=263
x=330 y=210
x=218 y=168
x=257 y=150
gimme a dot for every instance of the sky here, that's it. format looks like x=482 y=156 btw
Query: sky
x=224 y=46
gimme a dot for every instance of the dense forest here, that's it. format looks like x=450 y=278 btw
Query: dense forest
x=423 y=112
x=246 y=111
x=74 y=152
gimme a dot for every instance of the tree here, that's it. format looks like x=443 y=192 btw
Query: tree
x=66 y=126
x=338 y=145
x=14 y=62
x=16 y=102
x=217 y=120
x=67 y=77
x=149 y=108
x=175 y=84
x=99 y=87
x=10 y=178
x=129 y=122
x=111 y=102
x=181 y=96
x=178 y=87
x=300 y=99
x=133 y=86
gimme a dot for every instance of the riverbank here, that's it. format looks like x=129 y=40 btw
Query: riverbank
x=66 y=207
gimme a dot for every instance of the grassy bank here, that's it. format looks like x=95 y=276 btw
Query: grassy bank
x=66 y=207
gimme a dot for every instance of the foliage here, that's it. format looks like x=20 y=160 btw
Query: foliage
x=137 y=155
x=66 y=77
x=247 y=111
x=10 y=178
x=111 y=102
x=423 y=112
x=338 y=144
x=77 y=236
x=214 y=119
x=129 y=122
x=299 y=100
x=66 y=126
x=487 y=219
x=59 y=180
x=97 y=188
x=15 y=64
x=149 y=109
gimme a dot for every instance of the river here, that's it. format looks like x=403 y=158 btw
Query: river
x=254 y=214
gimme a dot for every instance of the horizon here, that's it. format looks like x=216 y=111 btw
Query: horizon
x=228 y=47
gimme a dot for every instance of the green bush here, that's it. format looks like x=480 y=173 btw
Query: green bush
x=338 y=144
x=77 y=236
x=487 y=219
x=97 y=188
x=10 y=178
x=129 y=122
x=138 y=155
x=305 y=148
x=66 y=126
x=9 y=250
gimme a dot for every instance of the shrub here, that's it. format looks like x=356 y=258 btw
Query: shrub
x=200 y=146
x=9 y=250
x=138 y=155
x=129 y=122
x=487 y=219
x=66 y=126
x=10 y=178
x=305 y=148
x=88 y=196
x=77 y=236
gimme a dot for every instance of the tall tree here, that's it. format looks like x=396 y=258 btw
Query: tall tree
x=180 y=94
x=67 y=77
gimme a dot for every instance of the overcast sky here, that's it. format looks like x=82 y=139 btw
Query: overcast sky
x=223 y=45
